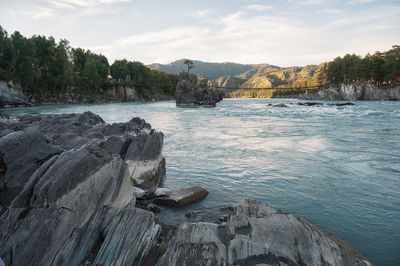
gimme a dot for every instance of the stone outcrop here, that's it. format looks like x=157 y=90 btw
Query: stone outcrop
x=193 y=92
x=11 y=95
x=68 y=182
x=353 y=92
x=257 y=234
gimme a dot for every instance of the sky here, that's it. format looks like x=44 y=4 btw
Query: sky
x=283 y=33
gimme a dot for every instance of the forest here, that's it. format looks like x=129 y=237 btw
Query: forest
x=45 y=67
x=379 y=68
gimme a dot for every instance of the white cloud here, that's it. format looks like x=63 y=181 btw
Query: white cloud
x=353 y=2
x=41 y=12
x=329 y=11
x=299 y=3
x=199 y=14
x=83 y=3
x=259 y=7
x=59 y=4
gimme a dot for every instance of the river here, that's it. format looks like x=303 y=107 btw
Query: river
x=338 y=167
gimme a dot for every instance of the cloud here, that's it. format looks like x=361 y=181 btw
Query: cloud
x=242 y=38
x=300 y=3
x=41 y=12
x=329 y=11
x=199 y=14
x=353 y=2
x=259 y=7
x=82 y=3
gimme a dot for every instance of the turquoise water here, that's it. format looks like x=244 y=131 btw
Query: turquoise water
x=338 y=167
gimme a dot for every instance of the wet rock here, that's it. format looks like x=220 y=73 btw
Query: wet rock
x=153 y=208
x=340 y=104
x=191 y=214
x=182 y=197
x=257 y=234
x=278 y=105
x=310 y=104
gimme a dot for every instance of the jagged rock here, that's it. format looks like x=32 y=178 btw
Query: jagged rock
x=128 y=239
x=182 y=197
x=191 y=92
x=78 y=201
x=21 y=154
x=257 y=234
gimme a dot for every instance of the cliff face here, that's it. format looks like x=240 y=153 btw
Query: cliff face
x=11 y=95
x=353 y=92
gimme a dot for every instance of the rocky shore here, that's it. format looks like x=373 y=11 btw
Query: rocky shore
x=11 y=95
x=77 y=191
x=348 y=92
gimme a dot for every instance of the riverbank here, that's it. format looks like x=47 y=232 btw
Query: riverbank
x=67 y=181
x=345 y=92
x=11 y=95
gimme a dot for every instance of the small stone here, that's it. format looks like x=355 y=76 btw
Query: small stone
x=153 y=208
x=191 y=214
x=223 y=218
x=161 y=192
x=138 y=192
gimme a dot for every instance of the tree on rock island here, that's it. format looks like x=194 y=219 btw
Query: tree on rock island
x=189 y=64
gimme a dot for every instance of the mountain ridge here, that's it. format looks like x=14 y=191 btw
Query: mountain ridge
x=236 y=75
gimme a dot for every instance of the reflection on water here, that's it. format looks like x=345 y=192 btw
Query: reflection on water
x=338 y=167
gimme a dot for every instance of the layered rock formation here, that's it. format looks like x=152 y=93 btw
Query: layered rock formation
x=191 y=92
x=66 y=186
x=257 y=234
x=67 y=198
x=352 y=92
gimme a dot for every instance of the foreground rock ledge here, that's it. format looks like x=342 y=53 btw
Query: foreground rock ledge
x=257 y=234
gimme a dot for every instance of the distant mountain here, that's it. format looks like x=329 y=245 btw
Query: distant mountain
x=206 y=69
x=233 y=75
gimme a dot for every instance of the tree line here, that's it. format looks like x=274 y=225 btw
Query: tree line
x=44 y=67
x=379 y=68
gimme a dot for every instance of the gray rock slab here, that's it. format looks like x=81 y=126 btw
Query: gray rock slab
x=182 y=197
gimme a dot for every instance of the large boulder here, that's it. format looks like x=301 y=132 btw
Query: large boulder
x=257 y=234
